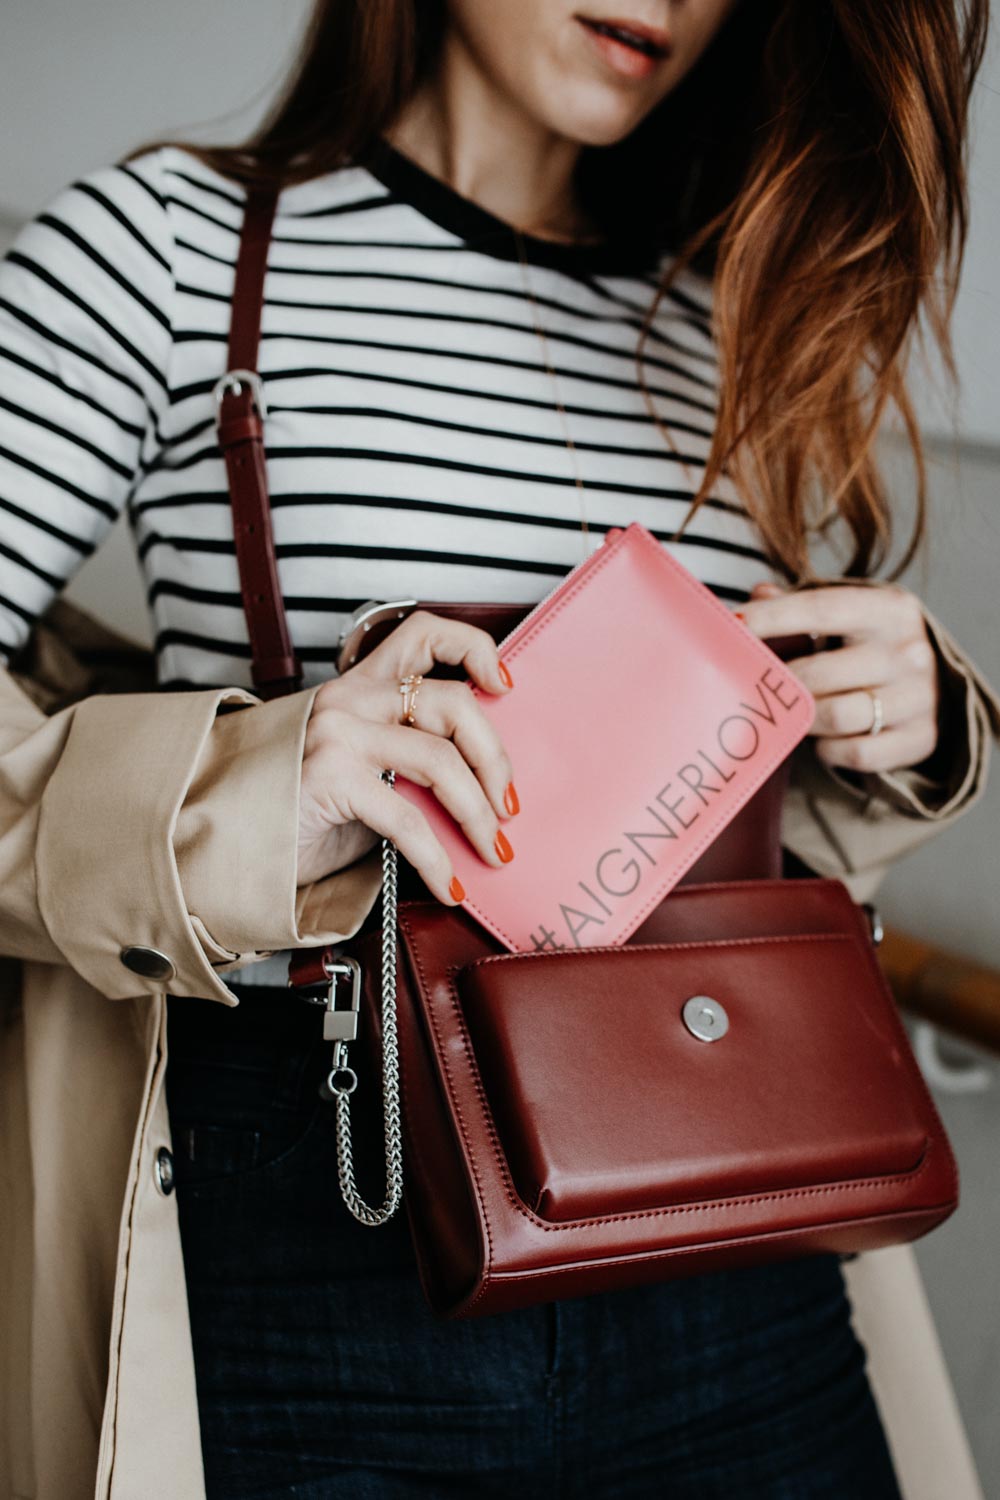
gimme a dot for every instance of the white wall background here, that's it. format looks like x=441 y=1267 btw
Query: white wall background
x=80 y=84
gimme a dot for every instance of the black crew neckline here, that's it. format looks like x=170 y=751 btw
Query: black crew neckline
x=620 y=253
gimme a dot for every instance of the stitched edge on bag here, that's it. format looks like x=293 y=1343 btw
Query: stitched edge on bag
x=413 y=1147
x=631 y=949
x=513 y=1278
x=417 y=960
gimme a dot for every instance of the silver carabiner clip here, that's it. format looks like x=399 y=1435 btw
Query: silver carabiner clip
x=234 y=381
x=340 y=1026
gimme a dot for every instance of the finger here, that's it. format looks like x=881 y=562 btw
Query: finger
x=853 y=712
x=450 y=710
x=854 y=612
x=436 y=763
x=903 y=745
x=425 y=638
x=381 y=808
x=842 y=714
x=870 y=664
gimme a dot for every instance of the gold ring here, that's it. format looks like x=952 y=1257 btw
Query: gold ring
x=409 y=687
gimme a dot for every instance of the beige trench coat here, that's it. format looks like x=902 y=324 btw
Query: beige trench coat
x=169 y=820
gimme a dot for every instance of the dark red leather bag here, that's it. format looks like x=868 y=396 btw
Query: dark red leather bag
x=731 y=1085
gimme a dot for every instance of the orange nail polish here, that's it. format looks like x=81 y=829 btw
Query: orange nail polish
x=455 y=889
x=505 y=674
x=502 y=845
x=739 y=614
x=510 y=799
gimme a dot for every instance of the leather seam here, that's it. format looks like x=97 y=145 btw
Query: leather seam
x=443 y=1063
x=544 y=1273
x=634 y=949
x=413 y=1147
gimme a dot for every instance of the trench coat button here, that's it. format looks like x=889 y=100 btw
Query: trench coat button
x=164 y=1171
x=149 y=962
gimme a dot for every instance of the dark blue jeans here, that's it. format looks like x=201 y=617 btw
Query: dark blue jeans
x=322 y=1374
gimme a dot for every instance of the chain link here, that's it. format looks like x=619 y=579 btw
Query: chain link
x=362 y=1211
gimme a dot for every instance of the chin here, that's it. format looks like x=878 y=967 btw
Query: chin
x=590 y=120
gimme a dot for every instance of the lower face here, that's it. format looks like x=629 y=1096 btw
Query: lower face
x=578 y=70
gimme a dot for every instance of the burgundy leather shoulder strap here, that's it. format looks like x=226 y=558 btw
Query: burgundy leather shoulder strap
x=240 y=415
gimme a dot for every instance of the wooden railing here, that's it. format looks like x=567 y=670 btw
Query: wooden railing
x=961 y=997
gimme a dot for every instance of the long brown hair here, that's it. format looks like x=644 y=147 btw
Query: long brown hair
x=821 y=183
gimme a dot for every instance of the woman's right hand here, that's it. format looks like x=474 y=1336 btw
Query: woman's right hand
x=354 y=732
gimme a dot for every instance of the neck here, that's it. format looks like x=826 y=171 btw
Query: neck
x=464 y=129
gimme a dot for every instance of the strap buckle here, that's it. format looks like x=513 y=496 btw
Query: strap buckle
x=232 y=383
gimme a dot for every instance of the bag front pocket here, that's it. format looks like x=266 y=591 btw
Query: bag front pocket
x=609 y=1095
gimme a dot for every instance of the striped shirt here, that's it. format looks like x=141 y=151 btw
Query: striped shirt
x=414 y=443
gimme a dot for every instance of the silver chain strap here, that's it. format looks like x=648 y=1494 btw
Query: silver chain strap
x=342 y=1090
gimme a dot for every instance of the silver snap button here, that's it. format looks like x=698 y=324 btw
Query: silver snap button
x=705 y=1018
x=163 y=1171
x=149 y=962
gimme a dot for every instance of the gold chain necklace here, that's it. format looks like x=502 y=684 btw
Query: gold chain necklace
x=578 y=478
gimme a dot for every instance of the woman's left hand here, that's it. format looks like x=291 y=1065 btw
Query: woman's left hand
x=885 y=648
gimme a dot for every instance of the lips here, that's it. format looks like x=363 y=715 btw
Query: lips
x=647 y=40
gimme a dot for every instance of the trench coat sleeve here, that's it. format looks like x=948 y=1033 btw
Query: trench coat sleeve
x=854 y=824
x=166 y=821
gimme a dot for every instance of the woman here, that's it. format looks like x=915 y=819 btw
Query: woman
x=793 y=175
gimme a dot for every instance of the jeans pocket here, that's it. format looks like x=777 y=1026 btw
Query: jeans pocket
x=241 y=1106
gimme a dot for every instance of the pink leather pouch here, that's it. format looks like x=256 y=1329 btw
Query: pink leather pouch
x=643 y=716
